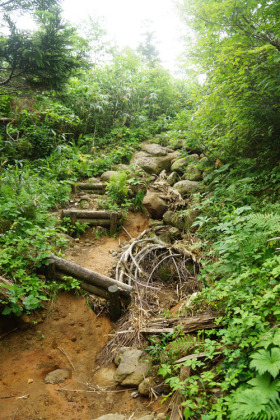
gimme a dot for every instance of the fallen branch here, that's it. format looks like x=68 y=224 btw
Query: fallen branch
x=187 y=325
x=63 y=352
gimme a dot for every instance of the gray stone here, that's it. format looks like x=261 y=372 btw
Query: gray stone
x=186 y=187
x=192 y=173
x=170 y=235
x=85 y=197
x=153 y=165
x=93 y=180
x=121 y=167
x=107 y=175
x=147 y=417
x=182 y=221
x=155 y=149
x=180 y=164
x=84 y=205
x=133 y=366
x=115 y=416
x=172 y=178
x=57 y=376
x=145 y=387
x=155 y=205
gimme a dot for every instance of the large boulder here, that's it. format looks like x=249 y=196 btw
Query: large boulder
x=179 y=165
x=155 y=205
x=192 y=173
x=153 y=164
x=155 y=149
x=181 y=220
x=186 y=187
x=133 y=366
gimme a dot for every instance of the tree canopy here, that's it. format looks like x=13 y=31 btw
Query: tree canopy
x=44 y=57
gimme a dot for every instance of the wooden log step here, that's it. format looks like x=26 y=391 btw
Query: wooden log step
x=89 y=276
x=98 y=291
x=90 y=186
x=90 y=214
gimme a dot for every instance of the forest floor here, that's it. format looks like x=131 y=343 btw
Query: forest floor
x=68 y=335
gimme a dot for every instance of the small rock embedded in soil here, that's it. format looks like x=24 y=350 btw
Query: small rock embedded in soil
x=111 y=417
x=146 y=386
x=133 y=366
x=148 y=417
x=57 y=376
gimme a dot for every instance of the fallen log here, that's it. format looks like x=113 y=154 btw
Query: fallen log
x=89 y=276
x=90 y=214
x=190 y=324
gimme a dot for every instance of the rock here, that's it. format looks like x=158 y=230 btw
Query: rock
x=133 y=366
x=172 y=178
x=170 y=234
x=177 y=144
x=105 y=376
x=153 y=165
x=85 y=197
x=84 y=206
x=155 y=149
x=107 y=175
x=121 y=167
x=57 y=376
x=93 y=180
x=180 y=164
x=148 y=417
x=161 y=416
x=181 y=220
x=115 y=416
x=145 y=387
x=155 y=205
x=186 y=187
x=192 y=173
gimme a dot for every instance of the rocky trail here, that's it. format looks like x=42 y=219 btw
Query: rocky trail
x=68 y=361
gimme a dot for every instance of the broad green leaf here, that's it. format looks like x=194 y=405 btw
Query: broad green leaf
x=266 y=361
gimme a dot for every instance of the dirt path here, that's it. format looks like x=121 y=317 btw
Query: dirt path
x=68 y=335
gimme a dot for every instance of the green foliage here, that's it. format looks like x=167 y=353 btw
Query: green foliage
x=118 y=188
x=44 y=58
x=236 y=45
x=75 y=229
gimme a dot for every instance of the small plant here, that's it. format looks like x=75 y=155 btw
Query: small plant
x=74 y=229
x=118 y=188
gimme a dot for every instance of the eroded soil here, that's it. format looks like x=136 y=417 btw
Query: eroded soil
x=68 y=334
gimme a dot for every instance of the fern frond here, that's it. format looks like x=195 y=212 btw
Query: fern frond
x=271 y=412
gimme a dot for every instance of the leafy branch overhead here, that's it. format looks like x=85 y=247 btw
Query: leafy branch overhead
x=43 y=58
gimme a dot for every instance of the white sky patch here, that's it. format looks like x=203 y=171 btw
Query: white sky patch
x=124 y=22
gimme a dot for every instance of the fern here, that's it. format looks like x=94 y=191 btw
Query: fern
x=271 y=412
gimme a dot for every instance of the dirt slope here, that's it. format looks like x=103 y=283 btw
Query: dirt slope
x=69 y=336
